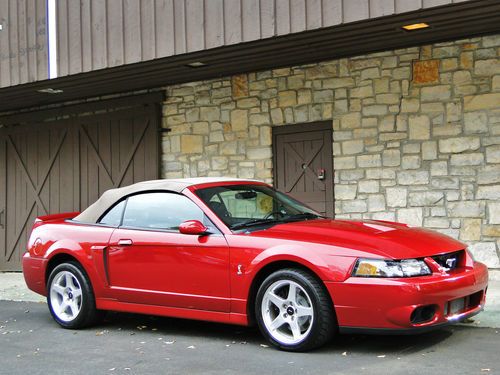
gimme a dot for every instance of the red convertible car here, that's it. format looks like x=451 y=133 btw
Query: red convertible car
x=240 y=252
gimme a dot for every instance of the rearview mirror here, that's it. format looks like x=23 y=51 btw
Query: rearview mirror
x=193 y=227
x=246 y=195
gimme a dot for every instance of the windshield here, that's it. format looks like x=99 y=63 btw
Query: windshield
x=244 y=206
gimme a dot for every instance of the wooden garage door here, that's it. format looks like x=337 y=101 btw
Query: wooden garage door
x=62 y=166
x=115 y=151
x=303 y=164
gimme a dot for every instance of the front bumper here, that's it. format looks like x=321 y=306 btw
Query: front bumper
x=378 y=305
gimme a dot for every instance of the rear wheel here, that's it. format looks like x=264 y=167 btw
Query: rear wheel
x=70 y=297
x=294 y=311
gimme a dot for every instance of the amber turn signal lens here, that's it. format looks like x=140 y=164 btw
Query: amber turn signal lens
x=366 y=269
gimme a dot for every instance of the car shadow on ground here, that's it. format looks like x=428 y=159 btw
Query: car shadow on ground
x=172 y=327
x=389 y=344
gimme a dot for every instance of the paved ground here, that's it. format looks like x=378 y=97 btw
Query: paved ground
x=31 y=343
x=13 y=288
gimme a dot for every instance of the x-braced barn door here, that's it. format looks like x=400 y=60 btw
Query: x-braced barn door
x=57 y=166
x=303 y=164
x=37 y=176
x=117 y=149
x=3 y=196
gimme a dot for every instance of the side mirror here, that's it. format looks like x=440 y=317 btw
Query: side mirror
x=193 y=227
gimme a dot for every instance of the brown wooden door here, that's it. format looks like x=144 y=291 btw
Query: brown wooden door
x=3 y=195
x=303 y=164
x=64 y=166
x=38 y=179
x=117 y=150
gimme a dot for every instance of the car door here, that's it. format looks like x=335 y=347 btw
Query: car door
x=150 y=262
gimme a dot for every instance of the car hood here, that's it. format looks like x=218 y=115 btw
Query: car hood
x=380 y=238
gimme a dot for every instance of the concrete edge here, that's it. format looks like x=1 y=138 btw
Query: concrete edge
x=494 y=274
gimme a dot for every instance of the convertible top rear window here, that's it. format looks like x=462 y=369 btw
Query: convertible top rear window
x=114 y=216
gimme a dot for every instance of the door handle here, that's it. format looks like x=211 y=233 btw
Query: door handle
x=321 y=174
x=1 y=218
x=125 y=242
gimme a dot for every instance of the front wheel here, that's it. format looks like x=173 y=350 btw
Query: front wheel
x=294 y=311
x=70 y=296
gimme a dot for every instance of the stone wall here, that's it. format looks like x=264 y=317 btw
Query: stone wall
x=416 y=133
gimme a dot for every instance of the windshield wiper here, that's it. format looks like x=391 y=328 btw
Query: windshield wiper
x=297 y=217
x=303 y=216
x=254 y=222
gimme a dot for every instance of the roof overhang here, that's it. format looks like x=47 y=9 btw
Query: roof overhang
x=449 y=22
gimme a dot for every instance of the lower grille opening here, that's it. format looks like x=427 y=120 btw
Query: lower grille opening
x=463 y=304
x=475 y=299
x=423 y=314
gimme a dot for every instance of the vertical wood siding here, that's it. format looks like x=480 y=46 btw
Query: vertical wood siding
x=97 y=34
x=23 y=42
x=116 y=32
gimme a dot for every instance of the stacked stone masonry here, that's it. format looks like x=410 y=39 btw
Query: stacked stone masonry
x=416 y=133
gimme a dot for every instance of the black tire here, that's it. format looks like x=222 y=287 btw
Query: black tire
x=324 y=323
x=88 y=314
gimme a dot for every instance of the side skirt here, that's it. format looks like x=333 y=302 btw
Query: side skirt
x=174 y=312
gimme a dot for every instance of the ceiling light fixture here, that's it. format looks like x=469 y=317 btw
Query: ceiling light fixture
x=415 y=26
x=50 y=91
x=196 y=64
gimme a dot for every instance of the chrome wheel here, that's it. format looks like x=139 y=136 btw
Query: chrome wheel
x=287 y=312
x=66 y=296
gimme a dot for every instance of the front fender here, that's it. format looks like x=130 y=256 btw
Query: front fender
x=297 y=254
x=250 y=255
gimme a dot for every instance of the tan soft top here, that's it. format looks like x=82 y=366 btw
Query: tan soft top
x=96 y=210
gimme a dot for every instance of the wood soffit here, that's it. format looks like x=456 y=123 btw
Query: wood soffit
x=450 y=22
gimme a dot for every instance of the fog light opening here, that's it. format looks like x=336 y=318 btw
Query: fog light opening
x=423 y=314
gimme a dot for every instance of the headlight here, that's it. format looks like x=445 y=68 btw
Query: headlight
x=390 y=268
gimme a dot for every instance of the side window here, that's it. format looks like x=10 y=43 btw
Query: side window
x=114 y=216
x=160 y=211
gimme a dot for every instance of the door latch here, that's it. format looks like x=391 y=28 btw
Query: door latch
x=321 y=174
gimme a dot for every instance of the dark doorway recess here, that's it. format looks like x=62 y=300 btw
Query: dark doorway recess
x=64 y=164
x=303 y=163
